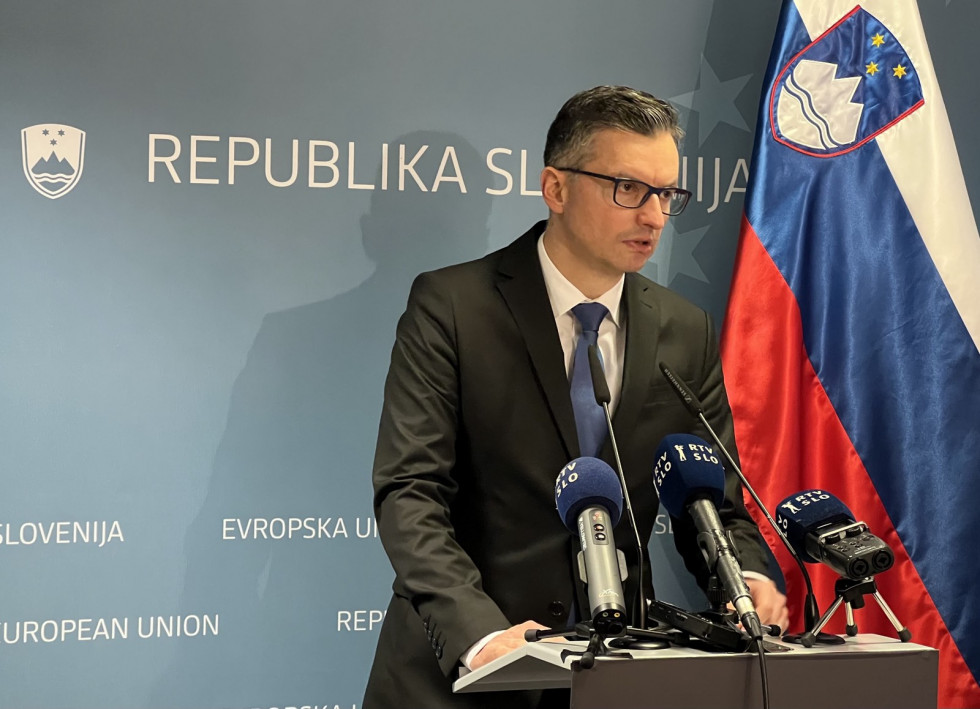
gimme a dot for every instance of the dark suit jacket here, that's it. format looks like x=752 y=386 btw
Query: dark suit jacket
x=476 y=425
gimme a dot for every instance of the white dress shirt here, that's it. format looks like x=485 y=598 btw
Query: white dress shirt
x=612 y=330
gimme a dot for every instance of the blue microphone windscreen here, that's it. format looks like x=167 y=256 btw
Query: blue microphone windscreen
x=587 y=482
x=687 y=468
x=806 y=512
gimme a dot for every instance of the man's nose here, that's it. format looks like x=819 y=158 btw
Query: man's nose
x=651 y=214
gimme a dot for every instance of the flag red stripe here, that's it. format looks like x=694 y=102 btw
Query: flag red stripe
x=790 y=439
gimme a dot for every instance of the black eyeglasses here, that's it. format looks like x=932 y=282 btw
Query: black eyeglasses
x=633 y=194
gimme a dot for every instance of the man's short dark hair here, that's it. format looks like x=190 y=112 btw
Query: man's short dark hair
x=592 y=110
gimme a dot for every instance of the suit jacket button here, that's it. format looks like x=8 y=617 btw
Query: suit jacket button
x=557 y=608
x=439 y=653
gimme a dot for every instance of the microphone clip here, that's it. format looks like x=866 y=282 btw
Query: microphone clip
x=713 y=544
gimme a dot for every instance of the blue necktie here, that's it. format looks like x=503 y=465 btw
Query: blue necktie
x=590 y=420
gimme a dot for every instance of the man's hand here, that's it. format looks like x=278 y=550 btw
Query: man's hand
x=510 y=639
x=769 y=602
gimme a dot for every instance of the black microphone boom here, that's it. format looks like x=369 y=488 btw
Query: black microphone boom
x=691 y=402
x=602 y=398
x=599 y=384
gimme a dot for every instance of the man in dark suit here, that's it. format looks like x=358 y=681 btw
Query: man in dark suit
x=478 y=418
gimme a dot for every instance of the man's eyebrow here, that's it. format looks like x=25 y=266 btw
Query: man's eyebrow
x=672 y=183
x=633 y=179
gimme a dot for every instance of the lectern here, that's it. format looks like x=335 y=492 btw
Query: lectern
x=867 y=672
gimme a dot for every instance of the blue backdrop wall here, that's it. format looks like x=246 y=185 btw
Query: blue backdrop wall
x=198 y=294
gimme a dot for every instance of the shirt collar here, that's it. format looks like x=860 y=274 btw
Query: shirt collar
x=564 y=296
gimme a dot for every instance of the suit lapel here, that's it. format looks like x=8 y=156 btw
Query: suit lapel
x=642 y=331
x=522 y=286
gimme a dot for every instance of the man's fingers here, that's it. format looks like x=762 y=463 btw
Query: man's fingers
x=507 y=641
x=769 y=602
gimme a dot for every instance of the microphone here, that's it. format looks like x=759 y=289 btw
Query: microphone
x=590 y=503
x=822 y=530
x=693 y=405
x=688 y=476
x=602 y=398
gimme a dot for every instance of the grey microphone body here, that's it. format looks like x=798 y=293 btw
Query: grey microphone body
x=600 y=568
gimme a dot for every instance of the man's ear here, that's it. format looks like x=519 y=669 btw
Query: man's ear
x=554 y=189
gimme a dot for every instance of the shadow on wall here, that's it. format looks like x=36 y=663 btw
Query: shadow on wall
x=299 y=443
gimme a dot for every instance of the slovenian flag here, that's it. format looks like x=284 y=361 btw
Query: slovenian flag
x=850 y=345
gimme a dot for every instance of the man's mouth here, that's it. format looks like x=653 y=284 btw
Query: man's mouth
x=640 y=243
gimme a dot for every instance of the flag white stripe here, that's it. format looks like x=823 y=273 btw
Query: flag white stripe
x=921 y=155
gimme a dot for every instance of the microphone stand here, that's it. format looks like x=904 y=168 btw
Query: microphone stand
x=598 y=647
x=851 y=593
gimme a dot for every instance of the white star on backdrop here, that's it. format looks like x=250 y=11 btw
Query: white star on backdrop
x=714 y=101
x=675 y=256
